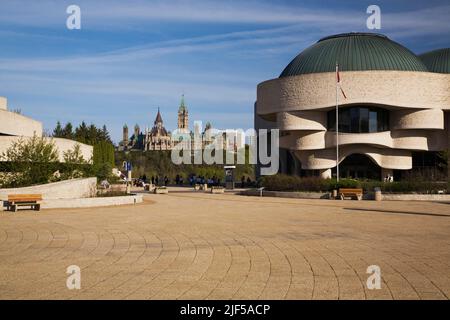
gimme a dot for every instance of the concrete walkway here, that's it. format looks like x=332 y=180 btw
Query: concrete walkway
x=188 y=245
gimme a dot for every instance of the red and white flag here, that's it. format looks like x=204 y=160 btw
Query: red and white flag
x=338 y=80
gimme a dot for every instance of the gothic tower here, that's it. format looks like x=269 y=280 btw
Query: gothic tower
x=183 y=117
x=158 y=121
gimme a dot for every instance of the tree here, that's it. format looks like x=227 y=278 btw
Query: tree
x=67 y=131
x=58 y=131
x=105 y=134
x=81 y=133
x=74 y=163
x=74 y=156
x=35 y=158
x=103 y=159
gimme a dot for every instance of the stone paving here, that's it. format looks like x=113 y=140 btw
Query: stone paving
x=188 y=245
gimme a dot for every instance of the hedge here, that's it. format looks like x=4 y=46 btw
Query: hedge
x=281 y=182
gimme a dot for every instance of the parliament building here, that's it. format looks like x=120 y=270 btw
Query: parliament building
x=159 y=138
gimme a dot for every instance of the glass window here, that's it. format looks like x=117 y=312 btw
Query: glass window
x=359 y=119
x=363 y=120
x=373 y=121
x=354 y=116
x=344 y=121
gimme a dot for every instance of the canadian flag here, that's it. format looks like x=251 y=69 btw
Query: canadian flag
x=338 y=80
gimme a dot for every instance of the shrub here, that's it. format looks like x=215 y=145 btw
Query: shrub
x=35 y=158
x=281 y=182
x=35 y=161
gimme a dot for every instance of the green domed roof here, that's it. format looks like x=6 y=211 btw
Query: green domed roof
x=437 y=60
x=354 y=52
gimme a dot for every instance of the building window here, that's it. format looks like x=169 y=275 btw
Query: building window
x=359 y=119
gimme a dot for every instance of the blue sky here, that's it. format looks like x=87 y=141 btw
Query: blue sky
x=131 y=57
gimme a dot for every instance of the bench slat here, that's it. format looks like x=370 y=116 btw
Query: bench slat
x=24 y=197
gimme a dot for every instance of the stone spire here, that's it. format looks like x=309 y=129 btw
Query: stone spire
x=183 y=116
x=158 y=118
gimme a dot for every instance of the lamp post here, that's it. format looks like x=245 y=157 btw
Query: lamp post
x=337 y=123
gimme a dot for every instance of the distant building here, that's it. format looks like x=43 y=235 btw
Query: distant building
x=159 y=138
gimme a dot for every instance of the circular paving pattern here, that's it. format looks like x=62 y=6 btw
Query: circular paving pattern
x=188 y=245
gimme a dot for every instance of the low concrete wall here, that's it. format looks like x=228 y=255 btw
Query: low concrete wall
x=91 y=202
x=415 y=197
x=366 y=196
x=68 y=189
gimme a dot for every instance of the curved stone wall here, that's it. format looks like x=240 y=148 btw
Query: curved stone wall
x=416 y=102
x=302 y=120
x=317 y=91
x=68 y=189
x=15 y=124
x=326 y=158
x=61 y=144
x=417 y=119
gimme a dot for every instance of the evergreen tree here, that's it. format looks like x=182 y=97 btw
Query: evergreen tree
x=105 y=134
x=67 y=132
x=58 y=131
x=81 y=133
x=92 y=136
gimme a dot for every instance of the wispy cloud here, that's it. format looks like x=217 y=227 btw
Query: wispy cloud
x=230 y=47
x=102 y=12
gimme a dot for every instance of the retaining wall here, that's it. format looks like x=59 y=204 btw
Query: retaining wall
x=68 y=189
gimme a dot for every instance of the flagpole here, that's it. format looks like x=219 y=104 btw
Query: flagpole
x=337 y=124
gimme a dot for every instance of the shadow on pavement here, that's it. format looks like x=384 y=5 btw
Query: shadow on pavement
x=401 y=212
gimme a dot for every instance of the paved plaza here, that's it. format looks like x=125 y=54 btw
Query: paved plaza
x=188 y=245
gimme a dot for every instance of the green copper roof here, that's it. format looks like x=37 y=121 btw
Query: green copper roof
x=182 y=107
x=437 y=60
x=354 y=52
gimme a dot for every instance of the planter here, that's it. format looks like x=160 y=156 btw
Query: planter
x=378 y=196
x=217 y=190
x=161 y=190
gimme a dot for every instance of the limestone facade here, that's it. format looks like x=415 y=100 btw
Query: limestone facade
x=418 y=104
x=15 y=127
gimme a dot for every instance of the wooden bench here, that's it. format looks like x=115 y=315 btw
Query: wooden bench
x=351 y=193
x=16 y=200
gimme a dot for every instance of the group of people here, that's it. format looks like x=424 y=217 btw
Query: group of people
x=193 y=180
x=246 y=182
x=213 y=181
x=142 y=181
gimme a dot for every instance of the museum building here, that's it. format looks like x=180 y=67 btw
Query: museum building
x=394 y=109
